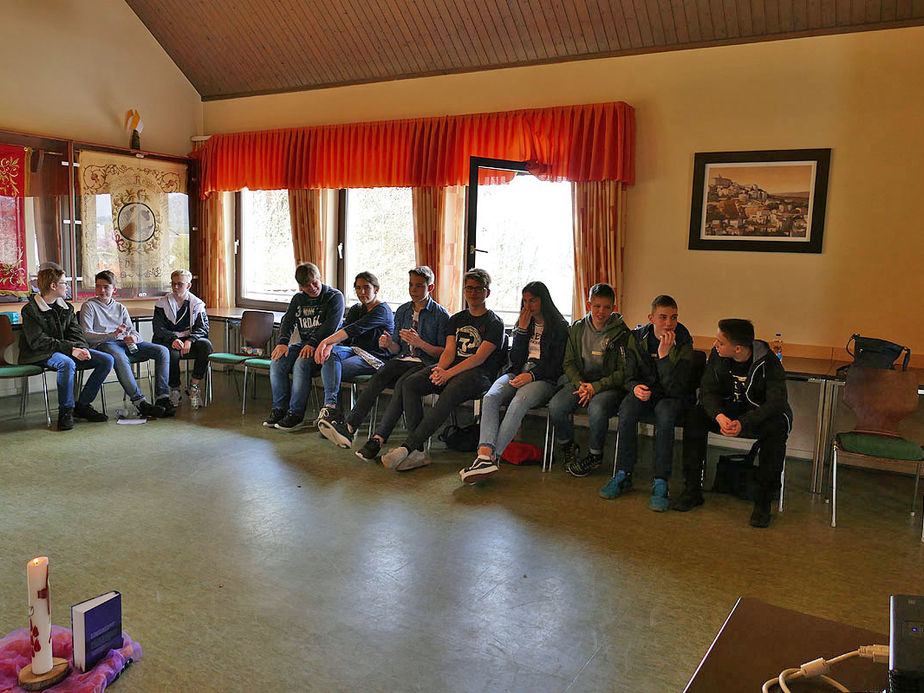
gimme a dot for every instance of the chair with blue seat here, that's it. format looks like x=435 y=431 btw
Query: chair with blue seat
x=880 y=398
x=10 y=369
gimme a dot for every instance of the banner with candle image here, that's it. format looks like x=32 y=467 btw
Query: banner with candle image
x=135 y=215
x=14 y=172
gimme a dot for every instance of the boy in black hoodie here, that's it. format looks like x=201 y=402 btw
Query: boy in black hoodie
x=743 y=393
x=315 y=311
x=659 y=360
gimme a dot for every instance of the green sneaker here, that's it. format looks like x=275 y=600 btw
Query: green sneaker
x=619 y=484
x=658 y=502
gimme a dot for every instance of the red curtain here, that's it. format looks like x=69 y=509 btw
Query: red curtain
x=578 y=143
x=599 y=239
x=309 y=230
x=214 y=271
x=439 y=238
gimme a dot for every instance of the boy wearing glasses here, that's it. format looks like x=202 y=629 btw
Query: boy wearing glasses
x=181 y=325
x=466 y=369
x=417 y=341
x=51 y=337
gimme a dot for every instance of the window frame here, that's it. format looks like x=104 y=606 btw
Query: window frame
x=240 y=300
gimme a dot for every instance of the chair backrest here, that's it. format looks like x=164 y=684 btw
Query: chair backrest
x=697 y=369
x=256 y=327
x=7 y=339
x=880 y=398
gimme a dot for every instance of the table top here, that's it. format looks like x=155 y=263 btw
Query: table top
x=759 y=640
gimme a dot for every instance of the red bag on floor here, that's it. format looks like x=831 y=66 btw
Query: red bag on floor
x=522 y=453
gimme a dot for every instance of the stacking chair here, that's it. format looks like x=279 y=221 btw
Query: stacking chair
x=256 y=331
x=9 y=356
x=880 y=399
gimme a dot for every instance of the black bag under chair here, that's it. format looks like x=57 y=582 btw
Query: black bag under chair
x=737 y=475
x=461 y=438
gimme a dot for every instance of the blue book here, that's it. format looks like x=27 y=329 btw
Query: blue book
x=97 y=628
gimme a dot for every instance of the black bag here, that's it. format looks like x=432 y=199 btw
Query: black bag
x=876 y=353
x=461 y=438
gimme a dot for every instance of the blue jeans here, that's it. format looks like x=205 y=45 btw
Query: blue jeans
x=123 y=368
x=497 y=434
x=292 y=397
x=342 y=364
x=667 y=413
x=602 y=406
x=67 y=367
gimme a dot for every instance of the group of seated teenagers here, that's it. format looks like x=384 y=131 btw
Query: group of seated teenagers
x=102 y=337
x=596 y=364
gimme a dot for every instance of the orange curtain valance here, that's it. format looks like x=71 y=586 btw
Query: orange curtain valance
x=577 y=143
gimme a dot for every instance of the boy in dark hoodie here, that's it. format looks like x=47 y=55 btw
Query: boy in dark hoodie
x=594 y=365
x=659 y=360
x=315 y=311
x=51 y=337
x=743 y=393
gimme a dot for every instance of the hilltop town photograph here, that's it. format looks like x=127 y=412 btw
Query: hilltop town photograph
x=772 y=203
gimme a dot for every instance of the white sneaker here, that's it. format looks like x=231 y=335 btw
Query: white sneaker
x=175 y=396
x=195 y=398
x=394 y=457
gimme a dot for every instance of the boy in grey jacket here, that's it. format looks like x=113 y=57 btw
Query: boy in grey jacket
x=108 y=327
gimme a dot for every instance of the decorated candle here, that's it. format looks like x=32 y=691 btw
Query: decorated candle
x=39 y=614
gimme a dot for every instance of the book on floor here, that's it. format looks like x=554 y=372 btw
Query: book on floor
x=97 y=628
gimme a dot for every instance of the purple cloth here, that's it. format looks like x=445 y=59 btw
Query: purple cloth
x=16 y=653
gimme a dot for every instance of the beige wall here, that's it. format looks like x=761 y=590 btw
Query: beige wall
x=860 y=94
x=72 y=68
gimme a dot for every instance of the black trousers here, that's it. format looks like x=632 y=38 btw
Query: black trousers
x=389 y=375
x=199 y=350
x=771 y=432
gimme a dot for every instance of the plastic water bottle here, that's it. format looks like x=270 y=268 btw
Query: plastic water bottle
x=776 y=346
x=132 y=348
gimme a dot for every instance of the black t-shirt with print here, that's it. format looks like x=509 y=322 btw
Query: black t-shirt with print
x=471 y=330
x=739 y=372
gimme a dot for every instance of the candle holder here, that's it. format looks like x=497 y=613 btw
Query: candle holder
x=37 y=682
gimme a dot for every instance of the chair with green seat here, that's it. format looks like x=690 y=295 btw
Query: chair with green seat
x=880 y=399
x=256 y=330
x=9 y=368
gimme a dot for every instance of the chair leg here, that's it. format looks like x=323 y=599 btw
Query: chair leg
x=244 y=394
x=208 y=374
x=917 y=478
x=546 y=445
x=782 y=484
x=834 y=487
x=25 y=396
x=45 y=393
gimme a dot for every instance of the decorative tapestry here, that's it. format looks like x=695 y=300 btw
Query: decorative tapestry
x=14 y=171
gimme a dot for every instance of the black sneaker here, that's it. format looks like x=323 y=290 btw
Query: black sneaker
x=86 y=411
x=761 y=515
x=569 y=454
x=327 y=413
x=276 y=415
x=65 y=418
x=336 y=432
x=370 y=451
x=165 y=404
x=148 y=410
x=691 y=497
x=291 y=422
x=480 y=469
x=589 y=463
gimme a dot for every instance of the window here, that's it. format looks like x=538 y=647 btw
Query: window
x=266 y=270
x=379 y=238
x=522 y=232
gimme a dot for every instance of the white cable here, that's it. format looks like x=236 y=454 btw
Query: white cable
x=817 y=668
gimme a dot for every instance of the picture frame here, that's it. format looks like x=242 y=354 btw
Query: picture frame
x=765 y=201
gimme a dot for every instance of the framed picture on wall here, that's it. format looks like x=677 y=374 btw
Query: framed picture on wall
x=768 y=201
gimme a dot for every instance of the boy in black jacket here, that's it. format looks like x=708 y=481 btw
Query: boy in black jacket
x=743 y=393
x=659 y=360
x=315 y=311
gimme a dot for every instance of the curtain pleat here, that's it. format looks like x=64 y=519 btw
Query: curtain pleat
x=599 y=239
x=439 y=237
x=575 y=143
x=309 y=231
x=214 y=272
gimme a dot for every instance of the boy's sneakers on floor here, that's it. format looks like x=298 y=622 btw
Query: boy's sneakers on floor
x=165 y=404
x=416 y=458
x=586 y=465
x=276 y=415
x=65 y=418
x=148 y=410
x=175 y=396
x=691 y=497
x=395 y=456
x=336 y=432
x=480 y=469
x=760 y=517
x=370 y=451
x=659 y=502
x=195 y=398
x=86 y=411
x=569 y=454
x=291 y=422
x=619 y=484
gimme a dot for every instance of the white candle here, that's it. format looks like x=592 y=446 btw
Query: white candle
x=39 y=614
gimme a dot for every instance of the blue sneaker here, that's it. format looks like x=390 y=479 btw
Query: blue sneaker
x=620 y=483
x=658 y=502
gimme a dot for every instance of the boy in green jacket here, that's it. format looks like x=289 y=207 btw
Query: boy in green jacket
x=595 y=358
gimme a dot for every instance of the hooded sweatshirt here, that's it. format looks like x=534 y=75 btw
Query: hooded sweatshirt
x=165 y=319
x=667 y=377
x=47 y=329
x=315 y=317
x=615 y=337
x=99 y=321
